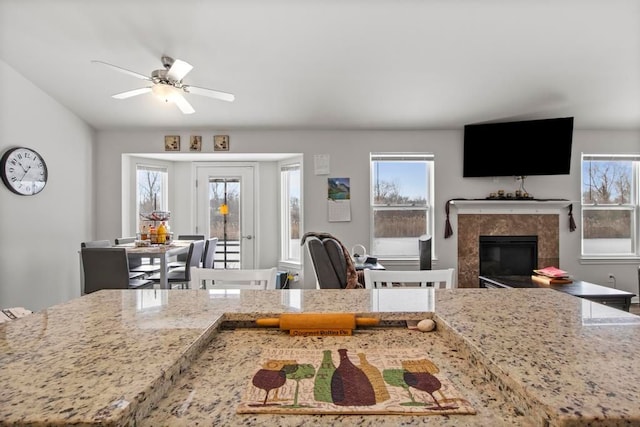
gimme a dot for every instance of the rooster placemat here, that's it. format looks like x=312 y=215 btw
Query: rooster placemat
x=349 y=381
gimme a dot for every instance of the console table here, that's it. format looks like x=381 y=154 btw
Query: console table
x=596 y=293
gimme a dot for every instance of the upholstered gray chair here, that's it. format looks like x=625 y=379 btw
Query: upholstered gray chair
x=208 y=258
x=108 y=268
x=329 y=264
x=182 y=275
x=181 y=260
x=135 y=264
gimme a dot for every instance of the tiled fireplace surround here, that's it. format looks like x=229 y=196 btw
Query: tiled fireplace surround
x=472 y=226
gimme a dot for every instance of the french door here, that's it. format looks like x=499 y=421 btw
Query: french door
x=225 y=209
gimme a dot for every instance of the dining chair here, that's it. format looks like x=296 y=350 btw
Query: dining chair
x=328 y=261
x=235 y=279
x=136 y=264
x=96 y=244
x=108 y=268
x=443 y=278
x=181 y=260
x=107 y=244
x=208 y=257
x=182 y=275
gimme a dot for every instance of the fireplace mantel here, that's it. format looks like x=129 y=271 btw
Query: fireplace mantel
x=506 y=206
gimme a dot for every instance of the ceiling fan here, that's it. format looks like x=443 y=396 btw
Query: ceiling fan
x=167 y=84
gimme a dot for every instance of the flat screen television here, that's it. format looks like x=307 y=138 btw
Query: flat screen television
x=520 y=148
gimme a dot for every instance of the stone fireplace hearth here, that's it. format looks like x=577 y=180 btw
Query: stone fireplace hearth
x=472 y=226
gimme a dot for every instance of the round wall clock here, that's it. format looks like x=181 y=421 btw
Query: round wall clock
x=23 y=171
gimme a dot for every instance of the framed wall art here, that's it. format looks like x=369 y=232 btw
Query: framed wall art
x=221 y=143
x=196 y=143
x=172 y=143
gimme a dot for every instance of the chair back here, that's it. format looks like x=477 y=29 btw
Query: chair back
x=208 y=258
x=105 y=268
x=443 y=278
x=183 y=257
x=96 y=244
x=194 y=257
x=125 y=240
x=329 y=264
x=235 y=279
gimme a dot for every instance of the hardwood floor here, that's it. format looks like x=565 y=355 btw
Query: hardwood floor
x=635 y=308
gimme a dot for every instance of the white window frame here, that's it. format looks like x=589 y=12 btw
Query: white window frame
x=164 y=204
x=428 y=208
x=633 y=206
x=285 y=213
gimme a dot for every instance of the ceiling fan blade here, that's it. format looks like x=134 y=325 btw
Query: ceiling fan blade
x=130 y=93
x=224 y=96
x=178 y=70
x=183 y=104
x=123 y=70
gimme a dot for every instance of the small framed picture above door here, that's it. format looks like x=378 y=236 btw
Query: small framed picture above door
x=196 y=143
x=221 y=143
x=172 y=143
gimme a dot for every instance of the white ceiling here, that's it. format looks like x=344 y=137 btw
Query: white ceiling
x=336 y=64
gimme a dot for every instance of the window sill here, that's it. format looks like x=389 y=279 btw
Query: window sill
x=593 y=260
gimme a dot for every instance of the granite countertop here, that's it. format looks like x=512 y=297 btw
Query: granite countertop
x=149 y=357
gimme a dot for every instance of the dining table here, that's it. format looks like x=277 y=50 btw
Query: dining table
x=156 y=251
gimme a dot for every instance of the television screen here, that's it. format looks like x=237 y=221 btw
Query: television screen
x=522 y=148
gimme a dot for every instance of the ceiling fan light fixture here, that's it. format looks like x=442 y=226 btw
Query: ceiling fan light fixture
x=165 y=92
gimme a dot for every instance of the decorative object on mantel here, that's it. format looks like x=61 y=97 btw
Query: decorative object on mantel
x=448 y=230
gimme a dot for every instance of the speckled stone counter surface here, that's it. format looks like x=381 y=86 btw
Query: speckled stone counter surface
x=155 y=357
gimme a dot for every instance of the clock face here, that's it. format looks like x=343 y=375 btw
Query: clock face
x=23 y=171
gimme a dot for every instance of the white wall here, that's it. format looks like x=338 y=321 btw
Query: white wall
x=349 y=157
x=40 y=235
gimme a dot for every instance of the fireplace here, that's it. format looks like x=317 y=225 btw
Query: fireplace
x=508 y=255
x=472 y=226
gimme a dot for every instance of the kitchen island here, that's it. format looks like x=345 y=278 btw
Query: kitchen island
x=181 y=357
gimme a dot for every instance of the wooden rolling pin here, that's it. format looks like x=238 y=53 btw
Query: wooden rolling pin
x=317 y=323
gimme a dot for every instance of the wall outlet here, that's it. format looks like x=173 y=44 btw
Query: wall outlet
x=611 y=278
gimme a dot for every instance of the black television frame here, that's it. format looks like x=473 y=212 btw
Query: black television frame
x=518 y=148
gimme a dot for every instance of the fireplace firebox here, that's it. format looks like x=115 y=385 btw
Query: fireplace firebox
x=508 y=255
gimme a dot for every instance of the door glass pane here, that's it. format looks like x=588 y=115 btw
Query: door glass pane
x=224 y=221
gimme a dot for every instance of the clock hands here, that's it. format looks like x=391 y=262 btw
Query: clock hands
x=25 y=172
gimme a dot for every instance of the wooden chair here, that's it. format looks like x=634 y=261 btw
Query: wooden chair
x=443 y=278
x=182 y=275
x=108 y=268
x=235 y=279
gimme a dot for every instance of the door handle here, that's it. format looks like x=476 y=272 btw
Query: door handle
x=249 y=237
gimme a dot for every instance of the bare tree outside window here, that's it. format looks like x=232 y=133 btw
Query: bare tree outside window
x=151 y=191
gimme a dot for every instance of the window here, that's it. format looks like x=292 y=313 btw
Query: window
x=401 y=203
x=610 y=206
x=151 y=194
x=290 y=196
